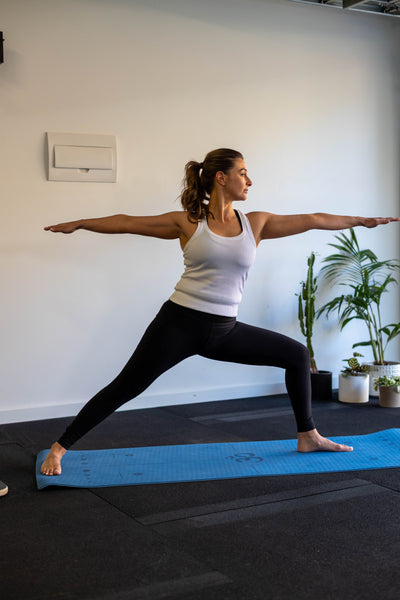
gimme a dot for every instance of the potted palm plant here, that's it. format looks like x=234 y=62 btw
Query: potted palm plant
x=354 y=381
x=389 y=391
x=366 y=279
x=321 y=381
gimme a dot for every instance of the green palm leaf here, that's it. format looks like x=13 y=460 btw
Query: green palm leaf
x=368 y=279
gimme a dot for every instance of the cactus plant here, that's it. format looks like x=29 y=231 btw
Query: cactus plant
x=306 y=308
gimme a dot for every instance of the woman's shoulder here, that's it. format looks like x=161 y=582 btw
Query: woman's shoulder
x=259 y=217
x=186 y=226
x=258 y=214
x=183 y=218
x=258 y=220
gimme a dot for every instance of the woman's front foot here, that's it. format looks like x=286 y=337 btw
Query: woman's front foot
x=52 y=463
x=312 y=441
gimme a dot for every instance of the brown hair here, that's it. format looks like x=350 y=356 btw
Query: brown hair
x=199 y=180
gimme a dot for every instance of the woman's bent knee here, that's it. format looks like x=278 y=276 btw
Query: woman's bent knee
x=301 y=356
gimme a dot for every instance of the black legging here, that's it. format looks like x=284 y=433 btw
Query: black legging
x=177 y=333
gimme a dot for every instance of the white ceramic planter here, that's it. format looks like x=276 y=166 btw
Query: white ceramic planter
x=390 y=369
x=354 y=388
x=389 y=397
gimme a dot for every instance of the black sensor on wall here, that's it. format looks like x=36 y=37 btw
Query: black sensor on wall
x=1 y=47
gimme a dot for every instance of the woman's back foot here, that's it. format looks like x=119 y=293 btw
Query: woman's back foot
x=52 y=463
x=312 y=441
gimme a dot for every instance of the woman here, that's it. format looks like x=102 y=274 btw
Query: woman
x=219 y=246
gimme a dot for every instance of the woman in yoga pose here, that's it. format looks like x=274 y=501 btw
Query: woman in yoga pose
x=219 y=245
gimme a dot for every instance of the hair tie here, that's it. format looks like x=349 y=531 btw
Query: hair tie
x=201 y=165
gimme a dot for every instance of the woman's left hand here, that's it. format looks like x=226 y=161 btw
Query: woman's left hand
x=371 y=222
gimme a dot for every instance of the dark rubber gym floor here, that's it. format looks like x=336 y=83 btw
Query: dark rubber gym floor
x=333 y=535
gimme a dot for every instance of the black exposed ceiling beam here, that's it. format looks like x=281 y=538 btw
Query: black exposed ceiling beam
x=389 y=8
x=352 y=3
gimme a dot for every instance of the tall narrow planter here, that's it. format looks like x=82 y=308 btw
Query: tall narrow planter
x=354 y=389
x=321 y=386
x=389 y=397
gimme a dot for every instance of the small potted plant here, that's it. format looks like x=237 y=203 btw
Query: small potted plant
x=354 y=381
x=321 y=381
x=389 y=391
x=367 y=279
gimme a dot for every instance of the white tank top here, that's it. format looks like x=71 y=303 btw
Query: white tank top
x=216 y=269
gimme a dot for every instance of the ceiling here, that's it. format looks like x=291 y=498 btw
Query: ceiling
x=389 y=8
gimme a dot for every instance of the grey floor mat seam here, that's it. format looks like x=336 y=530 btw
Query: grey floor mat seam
x=248 y=503
x=261 y=512
x=386 y=487
x=249 y=415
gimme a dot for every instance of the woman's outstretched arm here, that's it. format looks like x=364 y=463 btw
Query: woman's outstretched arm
x=170 y=225
x=269 y=225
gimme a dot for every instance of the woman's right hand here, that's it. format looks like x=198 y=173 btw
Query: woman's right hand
x=64 y=227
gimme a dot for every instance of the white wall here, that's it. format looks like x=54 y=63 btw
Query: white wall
x=310 y=95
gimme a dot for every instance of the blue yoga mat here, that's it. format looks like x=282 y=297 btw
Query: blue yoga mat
x=199 y=462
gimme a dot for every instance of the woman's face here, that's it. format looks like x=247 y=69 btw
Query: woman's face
x=236 y=181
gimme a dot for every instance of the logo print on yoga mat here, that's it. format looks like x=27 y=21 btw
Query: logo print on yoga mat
x=85 y=469
x=245 y=457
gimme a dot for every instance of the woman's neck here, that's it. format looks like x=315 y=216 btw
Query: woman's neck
x=221 y=209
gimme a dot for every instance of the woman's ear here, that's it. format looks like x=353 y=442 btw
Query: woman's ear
x=220 y=178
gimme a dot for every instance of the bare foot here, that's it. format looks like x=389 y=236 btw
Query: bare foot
x=312 y=441
x=52 y=463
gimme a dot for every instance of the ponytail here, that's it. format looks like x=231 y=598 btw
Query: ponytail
x=194 y=195
x=199 y=181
